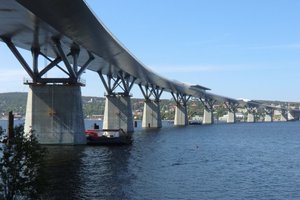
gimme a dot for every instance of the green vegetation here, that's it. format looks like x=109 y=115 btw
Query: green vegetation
x=93 y=107
x=15 y=101
x=21 y=167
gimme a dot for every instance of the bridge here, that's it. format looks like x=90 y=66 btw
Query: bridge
x=70 y=37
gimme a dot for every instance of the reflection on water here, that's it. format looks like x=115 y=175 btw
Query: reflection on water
x=63 y=171
x=88 y=172
x=106 y=172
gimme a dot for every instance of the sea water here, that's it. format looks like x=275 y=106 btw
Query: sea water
x=221 y=161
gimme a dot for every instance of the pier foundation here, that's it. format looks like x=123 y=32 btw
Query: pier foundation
x=54 y=114
x=151 y=114
x=118 y=113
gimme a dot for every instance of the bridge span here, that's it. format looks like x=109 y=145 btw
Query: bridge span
x=70 y=37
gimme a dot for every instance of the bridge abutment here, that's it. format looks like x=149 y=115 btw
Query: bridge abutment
x=54 y=114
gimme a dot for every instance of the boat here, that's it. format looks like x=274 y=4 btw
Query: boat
x=107 y=137
x=195 y=122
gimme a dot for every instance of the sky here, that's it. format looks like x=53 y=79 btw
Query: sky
x=240 y=49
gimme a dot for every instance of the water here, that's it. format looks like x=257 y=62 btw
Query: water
x=222 y=161
x=4 y=123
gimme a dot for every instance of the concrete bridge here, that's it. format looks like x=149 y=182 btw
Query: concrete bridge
x=71 y=38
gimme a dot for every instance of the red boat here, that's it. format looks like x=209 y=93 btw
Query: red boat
x=107 y=137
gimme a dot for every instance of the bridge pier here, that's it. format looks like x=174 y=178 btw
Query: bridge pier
x=268 y=115
x=268 y=118
x=291 y=116
x=54 y=108
x=231 y=117
x=231 y=106
x=117 y=111
x=181 y=117
x=250 y=118
x=54 y=114
x=208 y=103
x=251 y=114
x=208 y=117
x=151 y=113
x=284 y=115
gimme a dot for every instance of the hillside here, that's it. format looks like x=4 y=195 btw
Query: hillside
x=93 y=107
x=14 y=101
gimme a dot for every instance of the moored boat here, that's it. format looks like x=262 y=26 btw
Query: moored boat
x=107 y=137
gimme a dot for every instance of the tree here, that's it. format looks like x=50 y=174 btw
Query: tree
x=21 y=167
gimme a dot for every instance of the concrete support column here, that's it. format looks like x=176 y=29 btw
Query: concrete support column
x=251 y=117
x=181 y=118
x=284 y=116
x=291 y=116
x=118 y=113
x=208 y=117
x=54 y=107
x=231 y=117
x=268 y=117
x=231 y=106
x=269 y=112
x=252 y=109
x=208 y=103
x=54 y=114
x=151 y=114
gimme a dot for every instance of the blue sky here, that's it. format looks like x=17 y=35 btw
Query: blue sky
x=248 y=48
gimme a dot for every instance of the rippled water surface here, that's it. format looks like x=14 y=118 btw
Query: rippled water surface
x=222 y=161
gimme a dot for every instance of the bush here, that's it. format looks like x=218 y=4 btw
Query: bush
x=21 y=167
